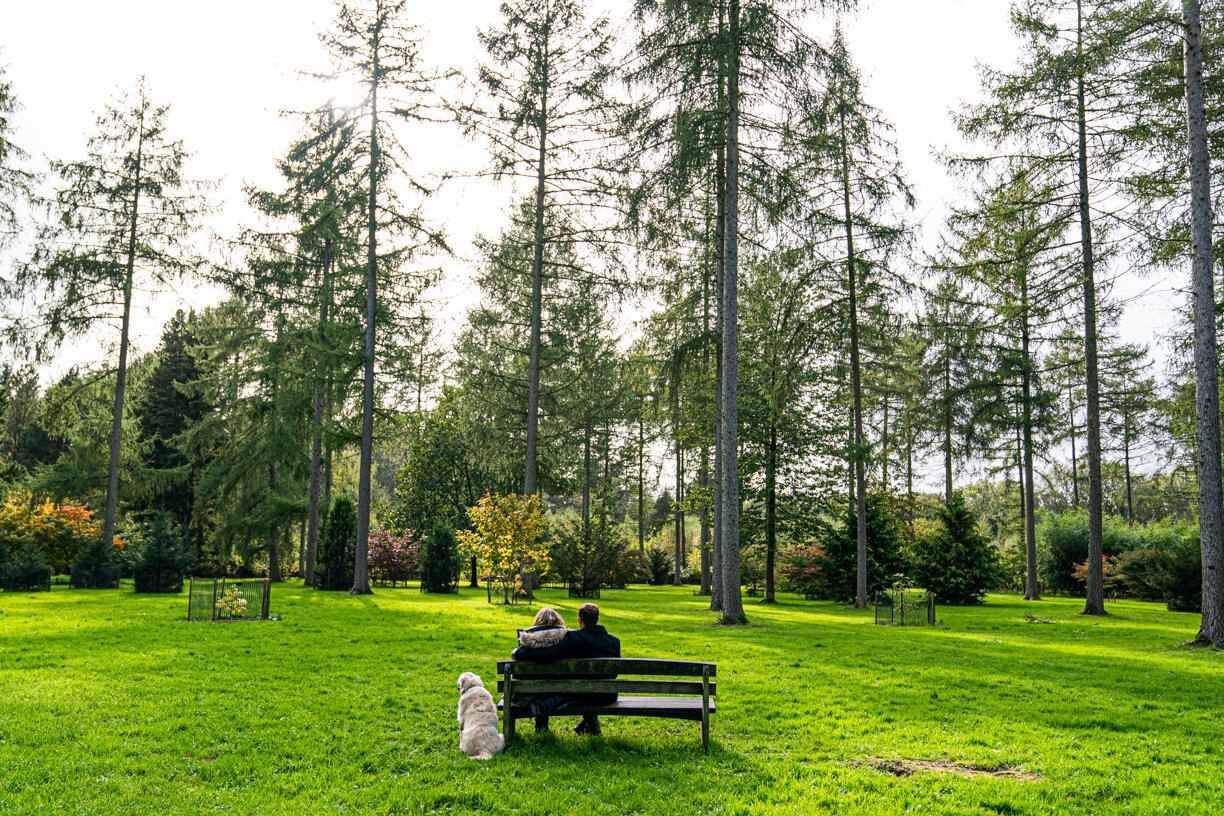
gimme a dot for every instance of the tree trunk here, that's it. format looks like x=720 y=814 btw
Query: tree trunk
x=856 y=384
x=361 y=581
x=530 y=486
x=274 y=533
x=720 y=285
x=1020 y=471
x=116 y=440
x=1075 y=499
x=884 y=448
x=1031 y=590
x=1095 y=601
x=537 y=286
x=771 y=510
x=947 y=409
x=641 y=473
x=1130 y=508
x=703 y=479
x=678 y=549
x=1207 y=394
x=316 y=438
x=586 y=478
x=732 y=600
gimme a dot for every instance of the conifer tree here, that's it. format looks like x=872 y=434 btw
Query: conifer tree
x=1062 y=108
x=372 y=44
x=14 y=180
x=546 y=113
x=842 y=131
x=1009 y=250
x=120 y=222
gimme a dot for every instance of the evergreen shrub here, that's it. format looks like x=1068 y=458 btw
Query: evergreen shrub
x=334 y=571
x=955 y=560
x=834 y=561
x=28 y=572
x=440 y=560
x=159 y=563
x=658 y=565
x=586 y=561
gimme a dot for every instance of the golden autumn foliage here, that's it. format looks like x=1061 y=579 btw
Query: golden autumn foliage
x=60 y=531
x=507 y=539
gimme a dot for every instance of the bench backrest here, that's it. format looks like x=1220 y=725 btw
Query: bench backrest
x=593 y=675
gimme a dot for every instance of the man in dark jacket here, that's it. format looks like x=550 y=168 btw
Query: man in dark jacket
x=588 y=640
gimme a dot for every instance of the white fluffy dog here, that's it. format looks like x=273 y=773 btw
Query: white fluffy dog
x=478 y=737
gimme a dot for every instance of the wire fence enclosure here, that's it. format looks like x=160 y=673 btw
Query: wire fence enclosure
x=900 y=608
x=228 y=599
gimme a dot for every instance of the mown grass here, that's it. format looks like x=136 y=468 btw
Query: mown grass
x=109 y=703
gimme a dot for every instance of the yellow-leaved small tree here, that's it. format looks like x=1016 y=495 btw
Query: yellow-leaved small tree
x=507 y=540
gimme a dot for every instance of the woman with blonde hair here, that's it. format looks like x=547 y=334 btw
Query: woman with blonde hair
x=547 y=629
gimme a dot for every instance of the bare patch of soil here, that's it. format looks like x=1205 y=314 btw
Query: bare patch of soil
x=907 y=767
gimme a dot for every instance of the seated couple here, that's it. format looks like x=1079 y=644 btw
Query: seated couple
x=548 y=640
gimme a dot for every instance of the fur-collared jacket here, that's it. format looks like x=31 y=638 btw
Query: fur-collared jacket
x=537 y=637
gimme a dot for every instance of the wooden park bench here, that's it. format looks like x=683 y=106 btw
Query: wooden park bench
x=671 y=698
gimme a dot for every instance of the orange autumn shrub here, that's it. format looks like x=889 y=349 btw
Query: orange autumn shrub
x=60 y=531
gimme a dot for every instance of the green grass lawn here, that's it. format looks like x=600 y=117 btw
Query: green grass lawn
x=109 y=703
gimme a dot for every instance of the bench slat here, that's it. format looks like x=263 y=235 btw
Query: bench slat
x=678 y=708
x=607 y=665
x=583 y=686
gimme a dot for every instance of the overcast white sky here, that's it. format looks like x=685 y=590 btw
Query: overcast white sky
x=228 y=67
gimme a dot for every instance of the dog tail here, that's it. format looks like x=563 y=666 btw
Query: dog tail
x=501 y=746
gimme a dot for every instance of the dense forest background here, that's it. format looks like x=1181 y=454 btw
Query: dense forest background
x=707 y=327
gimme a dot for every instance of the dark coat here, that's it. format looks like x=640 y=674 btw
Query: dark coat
x=589 y=641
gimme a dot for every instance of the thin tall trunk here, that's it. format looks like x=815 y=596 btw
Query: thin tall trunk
x=316 y=440
x=361 y=581
x=530 y=486
x=678 y=549
x=947 y=411
x=771 y=510
x=909 y=470
x=586 y=477
x=421 y=377
x=537 y=280
x=732 y=600
x=884 y=448
x=1020 y=473
x=1075 y=497
x=1206 y=383
x=1031 y=590
x=720 y=280
x=856 y=384
x=1130 y=508
x=116 y=440
x=1095 y=601
x=641 y=520
x=274 y=533
x=703 y=479
x=703 y=473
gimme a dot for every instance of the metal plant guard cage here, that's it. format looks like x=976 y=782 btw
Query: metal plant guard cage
x=203 y=594
x=902 y=608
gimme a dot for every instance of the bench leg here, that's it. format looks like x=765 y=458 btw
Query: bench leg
x=507 y=713
x=705 y=709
